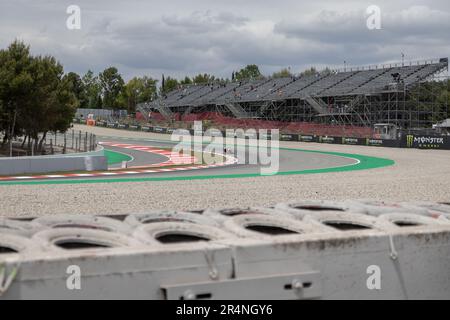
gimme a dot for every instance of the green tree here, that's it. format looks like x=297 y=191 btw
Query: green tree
x=250 y=72
x=203 y=78
x=170 y=84
x=78 y=88
x=309 y=72
x=186 y=80
x=54 y=102
x=112 y=86
x=34 y=96
x=139 y=90
x=283 y=73
x=16 y=84
x=92 y=91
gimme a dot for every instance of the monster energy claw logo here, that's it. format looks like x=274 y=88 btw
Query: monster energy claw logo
x=409 y=141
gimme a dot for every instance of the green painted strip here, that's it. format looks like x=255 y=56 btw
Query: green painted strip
x=116 y=157
x=365 y=163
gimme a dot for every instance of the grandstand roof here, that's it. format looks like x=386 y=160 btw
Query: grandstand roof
x=357 y=81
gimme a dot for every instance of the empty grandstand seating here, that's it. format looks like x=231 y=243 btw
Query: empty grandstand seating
x=331 y=97
x=334 y=84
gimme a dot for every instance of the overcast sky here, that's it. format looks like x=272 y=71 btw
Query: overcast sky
x=186 y=37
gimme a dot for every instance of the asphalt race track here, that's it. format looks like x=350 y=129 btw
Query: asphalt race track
x=150 y=158
x=290 y=160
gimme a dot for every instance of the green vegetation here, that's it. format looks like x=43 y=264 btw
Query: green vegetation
x=35 y=96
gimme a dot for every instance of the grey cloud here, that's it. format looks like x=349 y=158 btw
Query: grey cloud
x=178 y=37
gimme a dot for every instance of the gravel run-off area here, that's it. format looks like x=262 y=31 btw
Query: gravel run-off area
x=422 y=175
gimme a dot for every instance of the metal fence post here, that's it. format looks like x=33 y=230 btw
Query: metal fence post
x=79 y=142
x=65 y=143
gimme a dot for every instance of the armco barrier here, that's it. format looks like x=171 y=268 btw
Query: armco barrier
x=247 y=257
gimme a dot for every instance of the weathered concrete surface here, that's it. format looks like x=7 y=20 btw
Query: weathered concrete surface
x=385 y=261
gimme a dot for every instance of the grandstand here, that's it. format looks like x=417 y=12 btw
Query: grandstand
x=356 y=98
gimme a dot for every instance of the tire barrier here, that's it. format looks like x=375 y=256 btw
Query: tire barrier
x=403 y=220
x=223 y=214
x=344 y=221
x=434 y=210
x=164 y=233
x=84 y=222
x=299 y=209
x=376 y=208
x=23 y=228
x=16 y=244
x=260 y=226
x=237 y=253
x=60 y=239
x=139 y=219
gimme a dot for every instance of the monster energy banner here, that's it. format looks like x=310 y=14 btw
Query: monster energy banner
x=426 y=142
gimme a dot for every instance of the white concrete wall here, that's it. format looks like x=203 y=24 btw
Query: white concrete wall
x=28 y=165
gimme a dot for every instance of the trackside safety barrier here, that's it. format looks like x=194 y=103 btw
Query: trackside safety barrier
x=296 y=250
x=332 y=137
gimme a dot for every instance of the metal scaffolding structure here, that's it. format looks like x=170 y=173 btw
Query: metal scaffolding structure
x=405 y=95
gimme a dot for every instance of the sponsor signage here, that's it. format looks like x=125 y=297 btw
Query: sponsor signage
x=327 y=139
x=159 y=129
x=289 y=137
x=353 y=141
x=307 y=138
x=375 y=142
x=407 y=141
x=427 y=142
